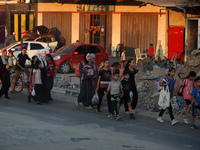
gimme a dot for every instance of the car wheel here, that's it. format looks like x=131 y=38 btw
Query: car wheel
x=65 y=67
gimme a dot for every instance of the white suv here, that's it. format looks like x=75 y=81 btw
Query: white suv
x=33 y=48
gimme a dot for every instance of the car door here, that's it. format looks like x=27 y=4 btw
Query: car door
x=77 y=55
x=97 y=52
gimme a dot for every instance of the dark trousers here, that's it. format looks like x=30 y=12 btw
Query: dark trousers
x=4 y=89
x=85 y=95
x=49 y=87
x=170 y=112
x=134 y=101
x=38 y=92
x=114 y=107
x=101 y=92
x=5 y=79
x=44 y=84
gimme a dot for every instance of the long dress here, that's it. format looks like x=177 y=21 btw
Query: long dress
x=85 y=95
x=5 y=79
x=95 y=80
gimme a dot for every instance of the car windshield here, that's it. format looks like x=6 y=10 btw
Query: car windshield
x=66 y=49
x=8 y=47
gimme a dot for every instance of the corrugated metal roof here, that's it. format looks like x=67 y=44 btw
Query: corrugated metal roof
x=172 y=3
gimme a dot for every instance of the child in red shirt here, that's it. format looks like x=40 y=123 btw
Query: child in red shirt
x=150 y=51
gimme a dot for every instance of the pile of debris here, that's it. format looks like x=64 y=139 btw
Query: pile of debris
x=192 y=64
x=147 y=83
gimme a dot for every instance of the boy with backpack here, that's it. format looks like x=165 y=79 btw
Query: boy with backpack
x=196 y=101
x=185 y=90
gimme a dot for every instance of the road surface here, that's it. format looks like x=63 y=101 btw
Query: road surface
x=59 y=125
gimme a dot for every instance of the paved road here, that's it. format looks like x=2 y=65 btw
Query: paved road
x=60 y=125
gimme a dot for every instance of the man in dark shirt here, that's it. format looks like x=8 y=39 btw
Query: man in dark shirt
x=20 y=67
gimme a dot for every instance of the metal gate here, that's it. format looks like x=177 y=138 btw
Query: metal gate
x=138 y=31
x=61 y=24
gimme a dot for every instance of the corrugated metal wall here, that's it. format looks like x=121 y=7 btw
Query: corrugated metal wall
x=138 y=31
x=61 y=24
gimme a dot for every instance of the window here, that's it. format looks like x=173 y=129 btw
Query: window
x=36 y=46
x=93 y=49
x=66 y=49
x=18 y=47
x=81 y=50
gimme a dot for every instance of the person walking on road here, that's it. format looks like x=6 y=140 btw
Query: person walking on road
x=116 y=92
x=195 y=101
x=37 y=82
x=126 y=97
x=93 y=63
x=43 y=68
x=34 y=59
x=187 y=86
x=5 y=74
x=86 y=75
x=170 y=83
x=51 y=73
x=11 y=39
x=132 y=71
x=20 y=67
x=102 y=85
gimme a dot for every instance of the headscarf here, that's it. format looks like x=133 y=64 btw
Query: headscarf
x=42 y=58
x=92 y=56
x=84 y=57
x=42 y=52
x=3 y=58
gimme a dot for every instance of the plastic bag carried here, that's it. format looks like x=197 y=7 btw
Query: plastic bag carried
x=33 y=92
x=95 y=99
x=164 y=98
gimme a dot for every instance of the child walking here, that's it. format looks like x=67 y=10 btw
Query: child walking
x=123 y=58
x=126 y=90
x=196 y=101
x=102 y=84
x=130 y=67
x=187 y=84
x=170 y=83
x=37 y=82
x=34 y=59
x=116 y=92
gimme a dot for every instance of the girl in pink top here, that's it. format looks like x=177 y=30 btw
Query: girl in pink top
x=188 y=84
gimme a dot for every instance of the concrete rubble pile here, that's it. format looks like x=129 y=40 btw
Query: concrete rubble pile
x=147 y=84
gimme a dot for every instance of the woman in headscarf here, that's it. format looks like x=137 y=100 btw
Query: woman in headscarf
x=42 y=58
x=86 y=75
x=93 y=63
x=5 y=74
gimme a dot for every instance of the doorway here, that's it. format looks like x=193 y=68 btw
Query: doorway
x=191 y=37
x=95 y=27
